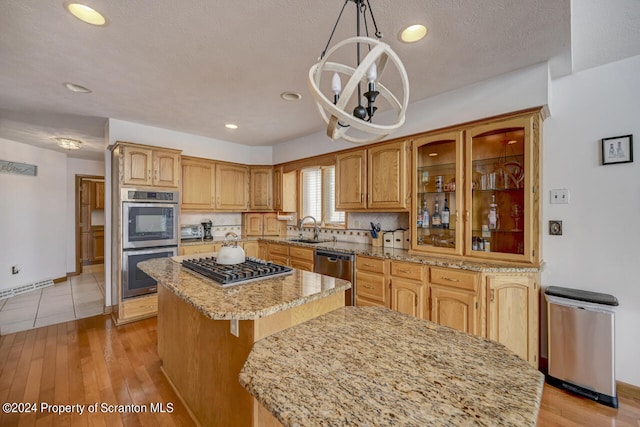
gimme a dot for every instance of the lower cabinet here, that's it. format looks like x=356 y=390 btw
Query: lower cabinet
x=278 y=253
x=371 y=282
x=301 y=258
x=251 y=249
x=454 y=297
x=200 y=249
x=407 y=296
x=135 y=308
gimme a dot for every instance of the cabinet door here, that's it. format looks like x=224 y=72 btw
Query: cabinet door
x=277 y=188
x=232 y=187
x=261 y=188
x=166 y=169
x=97 y=199
x=85 y=218
x=301 y=265
x=138 y=165
x=350 y=180
x=198 y=185
x=502 y=164
x=97 y=246
x=372 y=288
x=438 y=166
x=387 y=176
x=85 y=192
x=289 y=192
x=263 y=250
x=512 y=315
x=454 y=308
x=253 y=224
x=85 y=246
x=251 y=249
x=407 y=297
x=270 y=224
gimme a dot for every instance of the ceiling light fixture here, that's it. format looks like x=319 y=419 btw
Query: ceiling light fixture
x=413 y=33
x=69 y=143
x=290 y=96
x=86 y=14
x=76 y=88
x=231 y=126
x=366 y=70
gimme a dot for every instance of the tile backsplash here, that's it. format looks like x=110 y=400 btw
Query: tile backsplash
x=223 y=222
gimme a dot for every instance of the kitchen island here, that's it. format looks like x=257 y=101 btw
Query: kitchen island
x=206 y=332
x=376 y=367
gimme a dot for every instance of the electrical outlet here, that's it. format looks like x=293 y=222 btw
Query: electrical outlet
x=555 y=228
x=15 y=269
x=560 y=196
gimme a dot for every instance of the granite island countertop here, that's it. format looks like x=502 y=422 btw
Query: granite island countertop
x=372 y=366
x=248 y=301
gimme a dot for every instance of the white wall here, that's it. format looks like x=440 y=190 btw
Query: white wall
x=32 y=225
x=600 y=246
x=514 y=91
x=191 y=145
x=76 y=167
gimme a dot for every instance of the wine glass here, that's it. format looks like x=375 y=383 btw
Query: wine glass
x=516 y=213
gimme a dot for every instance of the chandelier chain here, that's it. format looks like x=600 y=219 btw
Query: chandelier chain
x=334 y=29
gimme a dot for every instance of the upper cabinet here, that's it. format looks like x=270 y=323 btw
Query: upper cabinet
x=147 y=166
x=477 y=190
x=284 y=190
x=97 y=199
x=198 y=184
x=232 y=187
x=261 y=188
x=375 y=178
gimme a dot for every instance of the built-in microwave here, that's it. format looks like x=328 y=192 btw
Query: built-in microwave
x=150 y=218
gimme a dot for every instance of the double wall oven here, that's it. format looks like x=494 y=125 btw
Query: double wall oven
x=150 y=229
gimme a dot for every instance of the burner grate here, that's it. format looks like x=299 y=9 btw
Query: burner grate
x=251 y=269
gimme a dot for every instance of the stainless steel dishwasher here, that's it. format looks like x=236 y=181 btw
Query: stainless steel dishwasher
x=336 y=264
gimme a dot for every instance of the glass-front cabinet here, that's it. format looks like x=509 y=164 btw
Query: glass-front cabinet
x=477 y=190
x=436 y=224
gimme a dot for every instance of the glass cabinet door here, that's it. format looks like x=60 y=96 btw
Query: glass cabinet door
x=499 y=190
x=437 y=184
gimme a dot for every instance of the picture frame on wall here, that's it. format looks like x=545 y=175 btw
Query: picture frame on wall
x=618 y=149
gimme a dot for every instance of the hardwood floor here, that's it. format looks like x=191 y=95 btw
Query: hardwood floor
x=90 y=360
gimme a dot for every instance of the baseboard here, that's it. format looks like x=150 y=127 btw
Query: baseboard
x=107 y=309
x=60 y=279
x=628 y=390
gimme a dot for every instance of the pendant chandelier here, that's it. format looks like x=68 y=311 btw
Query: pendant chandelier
x=342 y=121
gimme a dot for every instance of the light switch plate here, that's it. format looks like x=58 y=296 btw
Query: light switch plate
x=560 y=196
x=555 y=228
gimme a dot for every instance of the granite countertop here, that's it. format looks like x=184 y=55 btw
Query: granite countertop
x=404 y=255
x=248 y=301
x=376 y=367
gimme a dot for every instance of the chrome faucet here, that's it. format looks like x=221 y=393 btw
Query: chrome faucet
x=316 y=230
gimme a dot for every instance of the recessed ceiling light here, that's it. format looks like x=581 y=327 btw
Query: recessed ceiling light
x=86 y=14
x=76 y=88
x=69 y=143
x=290 y=96
x=413 y=33
x=433 y=154
x=231 y=126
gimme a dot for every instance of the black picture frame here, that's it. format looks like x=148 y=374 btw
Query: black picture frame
x=617 y=149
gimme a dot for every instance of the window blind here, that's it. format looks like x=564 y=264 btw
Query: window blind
x=330 y=215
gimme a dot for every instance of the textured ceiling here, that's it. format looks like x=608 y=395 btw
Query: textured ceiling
x=193 y=65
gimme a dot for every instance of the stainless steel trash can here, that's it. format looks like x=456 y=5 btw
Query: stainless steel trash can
x=581 y=343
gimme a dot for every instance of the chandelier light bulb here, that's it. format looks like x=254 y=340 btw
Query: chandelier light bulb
x=372 y=73
x=336 y=84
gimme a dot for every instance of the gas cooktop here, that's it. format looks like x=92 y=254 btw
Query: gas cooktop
x=250 y=270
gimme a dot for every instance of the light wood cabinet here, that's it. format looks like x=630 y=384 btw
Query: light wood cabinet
x=263 y=250
x=371 y=284
x=200 y=249
x=97 y=246
x=512 y=313
x=251 y=249
x=374 y=178
x=488 y=174
x=198 y=184
x=232 y=187
x=285 y=190
x=97 y=199
x=147 y=166
x=454 y=299
x=407 y=296
x=301 y=258
x=261 y=188
x=278 y=253
x=85 y=246
x=140 y=307
x=261 y=224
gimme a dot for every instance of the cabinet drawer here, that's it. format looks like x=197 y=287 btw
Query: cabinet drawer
x=370 y=286
x=455 y=278
x=408 y=270
x=374 y=265
x=278 y=259
x=142 y=306
x=301 y=265
x=276 y=249
x=199 y=249
x=363 y=302
x=305 y=254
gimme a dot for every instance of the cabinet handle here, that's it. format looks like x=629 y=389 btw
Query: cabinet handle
x=218 y=201
x=466 y=215
x=367 y=286
x=361 y=197
x=149 y=175
x=450 y=279
x=493 y=295
x=404 y=271
x=156 y=174
x=367 y=265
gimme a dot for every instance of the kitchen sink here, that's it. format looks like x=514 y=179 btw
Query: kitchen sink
x=308 y=241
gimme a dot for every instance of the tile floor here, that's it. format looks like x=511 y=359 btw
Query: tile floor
x=78 y=297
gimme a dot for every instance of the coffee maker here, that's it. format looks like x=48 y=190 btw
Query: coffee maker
x=206 y=226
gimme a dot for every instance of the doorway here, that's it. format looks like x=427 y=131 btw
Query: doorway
x=89 y=224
